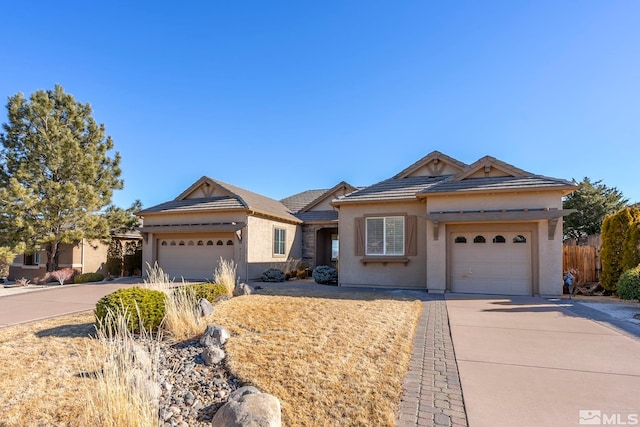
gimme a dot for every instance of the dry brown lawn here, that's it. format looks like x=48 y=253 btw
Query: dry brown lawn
x=331 y=360
x=40 y=371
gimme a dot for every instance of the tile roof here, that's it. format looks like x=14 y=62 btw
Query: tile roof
x=318 y=216
x=199 y=204
x=503 y=183
x=393 y=189
x=298 y=201
x=258 y=202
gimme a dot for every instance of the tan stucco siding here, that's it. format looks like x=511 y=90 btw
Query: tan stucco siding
x=353 y=272
x=528 y=200
x=260 y=254
x=90 y=256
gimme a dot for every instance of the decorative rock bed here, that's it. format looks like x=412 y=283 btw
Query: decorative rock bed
x=195 y=385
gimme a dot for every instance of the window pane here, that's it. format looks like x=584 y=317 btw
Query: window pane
x=394 y=234
x=375 y=236
x=279 y=241
x=334 y=247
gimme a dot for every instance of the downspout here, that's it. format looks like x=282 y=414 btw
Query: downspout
x=81 y=257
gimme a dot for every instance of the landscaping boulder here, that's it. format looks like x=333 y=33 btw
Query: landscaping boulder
x=212 y=355
x=247 y=406
x=206 y=308
x=241 y=289
x=214 y=336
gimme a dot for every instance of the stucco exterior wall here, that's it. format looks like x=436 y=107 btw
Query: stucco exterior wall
x=260 y=254
x=547 y=259
x=353 y=272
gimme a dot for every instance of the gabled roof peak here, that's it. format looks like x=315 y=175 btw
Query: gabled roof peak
x=433 y=164
x=489 y=166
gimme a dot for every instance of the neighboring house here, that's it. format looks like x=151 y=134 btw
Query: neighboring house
x=86 y=256
x=440 y=225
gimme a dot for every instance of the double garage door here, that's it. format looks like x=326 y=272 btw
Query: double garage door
x=495 y=262
x=194 y=257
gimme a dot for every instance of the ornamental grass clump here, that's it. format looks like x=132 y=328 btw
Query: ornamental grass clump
x=225 y=274
x=182 y=319
x=124 y=374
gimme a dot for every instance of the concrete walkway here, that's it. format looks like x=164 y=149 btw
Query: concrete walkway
x=53 y=301
x=527 y=361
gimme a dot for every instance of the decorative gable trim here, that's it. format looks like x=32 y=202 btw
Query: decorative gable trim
x=435 y=162
x=208 y=187
x=490 y=167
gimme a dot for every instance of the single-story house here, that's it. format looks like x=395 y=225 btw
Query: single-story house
x=86 y=256
x=440 y=224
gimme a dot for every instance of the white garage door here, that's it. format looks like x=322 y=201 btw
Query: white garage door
x=491 y=262
x=193 y=258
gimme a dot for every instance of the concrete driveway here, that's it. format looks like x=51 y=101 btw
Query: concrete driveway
x=55 y=301
x=526 y=361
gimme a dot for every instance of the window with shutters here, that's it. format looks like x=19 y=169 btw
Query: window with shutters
x=385 y=235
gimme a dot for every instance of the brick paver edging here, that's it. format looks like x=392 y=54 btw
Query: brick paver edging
x=432 y=395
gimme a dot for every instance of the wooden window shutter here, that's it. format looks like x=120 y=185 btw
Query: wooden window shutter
x=359 y=236
x=411 y=235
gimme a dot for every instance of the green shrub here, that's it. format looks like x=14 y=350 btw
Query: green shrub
x=88 y=277
x=628 y=287
x=139 y=305
x=273 y=275
x=615 y=253
x=209 y=291
x=325 y=274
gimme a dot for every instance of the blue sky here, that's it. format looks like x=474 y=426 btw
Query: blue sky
x=281 y=97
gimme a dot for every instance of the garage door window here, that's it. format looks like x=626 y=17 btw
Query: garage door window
x=499 y=239
x=385 y=236
x=519 y=239
x=460 y=239
x=209 y=242
x=479 y=239
x=229 y=242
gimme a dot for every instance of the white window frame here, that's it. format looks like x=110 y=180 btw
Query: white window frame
x=279 y=241
x=385 y=251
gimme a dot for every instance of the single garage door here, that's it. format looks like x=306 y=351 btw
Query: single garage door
x=193 y=258
x=491 y=262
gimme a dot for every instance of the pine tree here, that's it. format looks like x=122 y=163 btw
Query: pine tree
x=593 y=201
x=56 y=173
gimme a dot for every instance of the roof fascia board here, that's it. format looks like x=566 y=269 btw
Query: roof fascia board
x=318 y=200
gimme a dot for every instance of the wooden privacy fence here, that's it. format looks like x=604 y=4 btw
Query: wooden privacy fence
x=581 y=258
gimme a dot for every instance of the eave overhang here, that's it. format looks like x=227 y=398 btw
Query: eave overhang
x=551 y=215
